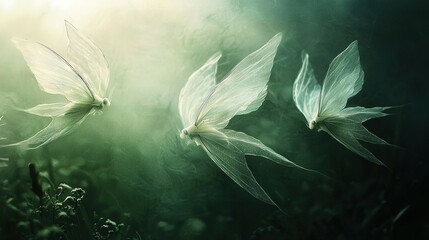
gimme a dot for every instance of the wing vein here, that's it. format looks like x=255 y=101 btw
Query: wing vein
x=72 y=68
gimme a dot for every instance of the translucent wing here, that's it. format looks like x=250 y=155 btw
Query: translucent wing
x=349 y=130
x=54 y=74
x=232 y=161
x=50 y=110
x=88 y=60
x=227 y=148
x=251 y=146
x=306 y=91
x=58 y=127
x=343 y=80
x=362 y=114
x=197 y=89
x=243 y=90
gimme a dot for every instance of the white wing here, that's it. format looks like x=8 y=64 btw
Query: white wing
x=343 y=80
x=306 y=91
x=232 y=162
x=243 y=90
x=50 y=109
x=197 y=89
x=251 y=146
x=54 y=74
x=227 y=148
x=58 y=127
x=88 y=60
x=362 y=114
x=348 y=129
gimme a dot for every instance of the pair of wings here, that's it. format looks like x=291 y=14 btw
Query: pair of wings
x=82 y=79
x=202 y=102
x=210 y=106
x=344 y=79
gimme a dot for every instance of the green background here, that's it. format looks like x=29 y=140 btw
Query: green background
x=135 y=169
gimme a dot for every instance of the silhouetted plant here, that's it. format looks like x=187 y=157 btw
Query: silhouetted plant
x=51 y=212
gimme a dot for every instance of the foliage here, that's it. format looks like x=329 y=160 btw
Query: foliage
x=50 y=211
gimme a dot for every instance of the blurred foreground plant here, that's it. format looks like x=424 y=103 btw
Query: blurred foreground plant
x=50 y=211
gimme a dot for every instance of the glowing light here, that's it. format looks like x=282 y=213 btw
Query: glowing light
x=6 y=4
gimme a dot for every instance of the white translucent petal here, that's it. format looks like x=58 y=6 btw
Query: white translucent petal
x=306 y=91
x=88 y=60
x=343 y=80
x=243 y=90
x=197 y=89
x=54 y=74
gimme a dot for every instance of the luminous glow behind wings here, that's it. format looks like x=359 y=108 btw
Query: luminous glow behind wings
x=206 y=108
x=326 y=107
